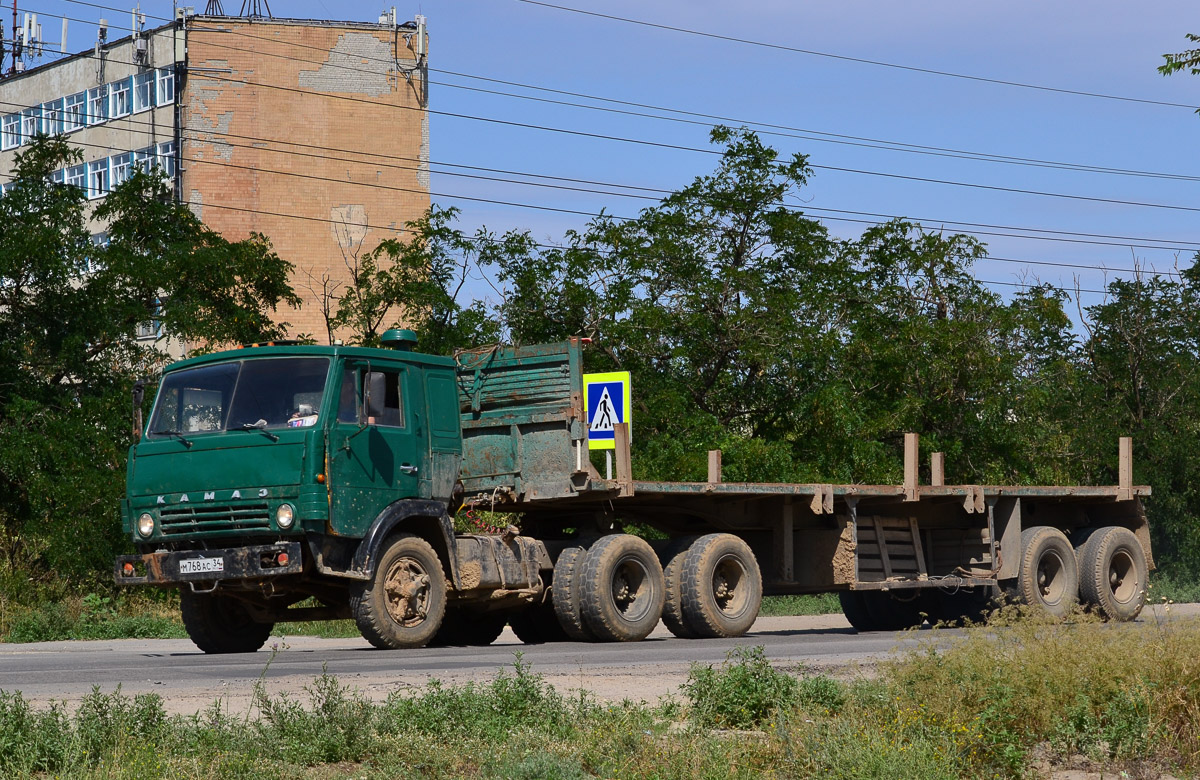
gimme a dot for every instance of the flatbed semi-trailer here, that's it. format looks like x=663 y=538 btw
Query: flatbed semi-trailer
x=296 y=482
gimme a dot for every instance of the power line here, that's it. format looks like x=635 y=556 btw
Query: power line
x=256 y=148
x=622 y=218
x=861 y=60
x=773 y=129
x=681 y=147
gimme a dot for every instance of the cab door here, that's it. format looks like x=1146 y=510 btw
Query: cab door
x=374 y=449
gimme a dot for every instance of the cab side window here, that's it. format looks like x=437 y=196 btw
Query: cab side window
x=383 y=394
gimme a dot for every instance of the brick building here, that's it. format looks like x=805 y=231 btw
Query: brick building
x=312 y=133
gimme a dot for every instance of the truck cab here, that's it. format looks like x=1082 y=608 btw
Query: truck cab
x=272 y=474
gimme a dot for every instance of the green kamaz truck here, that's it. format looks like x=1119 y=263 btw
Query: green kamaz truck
x=278 y=483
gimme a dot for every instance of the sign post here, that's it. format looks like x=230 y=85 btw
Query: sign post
x=607 y=400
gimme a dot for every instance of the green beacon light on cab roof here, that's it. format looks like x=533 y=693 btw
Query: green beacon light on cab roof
x=402 y=339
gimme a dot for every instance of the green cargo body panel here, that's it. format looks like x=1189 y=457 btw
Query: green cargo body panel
x=523 y=422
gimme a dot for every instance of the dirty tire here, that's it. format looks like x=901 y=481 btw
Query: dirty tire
x=874 y=610
x=537 y=625
x=960 y=607
x=722 y=586
x=891 y=613
x=672 y=614
x=1113 y=573
x=469 y=628
x=217 y=623
x=623 y=589
x=854 y=607
x=403 y=603
x=565 y=592
x=1049 y=575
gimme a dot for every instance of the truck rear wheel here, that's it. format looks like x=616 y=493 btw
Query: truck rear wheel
x=1049 y=576
x=672 y=614
x=537 y=625
x=623 y=589
x=1113 y=573
x=722 y=586
x=469 y=628
x=403 y=604
x=566 y=593
x=218 y=623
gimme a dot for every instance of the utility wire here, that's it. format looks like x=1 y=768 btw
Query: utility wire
x=772 y=129
x=375 y=185
x=257 y=140
x=861 y=60
x=681 y=147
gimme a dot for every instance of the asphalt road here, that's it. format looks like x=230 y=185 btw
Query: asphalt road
x=189 y=680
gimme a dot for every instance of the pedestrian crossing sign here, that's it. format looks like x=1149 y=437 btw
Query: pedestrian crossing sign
x=607 y=401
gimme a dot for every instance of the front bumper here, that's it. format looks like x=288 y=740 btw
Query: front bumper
x=236 y=563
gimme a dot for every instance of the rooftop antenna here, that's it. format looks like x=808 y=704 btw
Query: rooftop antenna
x=214 y=8
x=255 y=9
x=137 y=25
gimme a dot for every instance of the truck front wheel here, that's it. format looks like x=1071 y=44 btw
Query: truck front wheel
x=623 y=589
x=403 y=603
x=218 y=623
x=722 y=586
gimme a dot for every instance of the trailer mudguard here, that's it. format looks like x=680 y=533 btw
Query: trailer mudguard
x=425 y=518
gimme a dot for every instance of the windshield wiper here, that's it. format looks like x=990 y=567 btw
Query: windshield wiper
x=261 y=425
x=186 y=442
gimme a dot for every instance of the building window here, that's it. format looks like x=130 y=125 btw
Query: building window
x=143 y=159
x=97 y=98
x=52 y=117
x=77 y=176
x=75 y=112
x=10 y=131
x=119 y=102
x=120 y=168
x=166 y=86
x=6 y=188
x=30 y=119
x=57 y=176
x=97 y=178
x=166 y=158
x=143 y=91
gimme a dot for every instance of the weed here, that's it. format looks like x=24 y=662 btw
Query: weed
x=744 y=692
x=820 y=604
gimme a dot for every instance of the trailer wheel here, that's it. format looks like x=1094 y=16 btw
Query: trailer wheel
x=566 y=594
x=672 y=615
x=1113 y=573
x=876 y=610
x=1049 y=576
x=960 y=607
x=623 y=589
x=218 y=623
x=403 y=604
x=468 y=628
x=854 y=607
x=537 y=625
x=722 y=586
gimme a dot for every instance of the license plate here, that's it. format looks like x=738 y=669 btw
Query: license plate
x=201 y=565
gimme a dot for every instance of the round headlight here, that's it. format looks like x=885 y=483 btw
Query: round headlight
x=284 y=516
x=146 y=524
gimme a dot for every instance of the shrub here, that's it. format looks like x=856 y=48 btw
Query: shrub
x=744 y=692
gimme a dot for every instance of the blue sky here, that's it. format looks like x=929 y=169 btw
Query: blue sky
x=1101 y=46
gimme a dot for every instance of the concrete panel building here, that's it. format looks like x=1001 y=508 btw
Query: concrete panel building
x=312 y=133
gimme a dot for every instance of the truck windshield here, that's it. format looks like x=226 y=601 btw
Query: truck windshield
x=241 y=395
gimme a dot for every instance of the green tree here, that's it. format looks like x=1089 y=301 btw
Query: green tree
x=416 y=283
x=69 y=311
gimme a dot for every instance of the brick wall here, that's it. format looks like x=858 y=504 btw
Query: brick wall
x=278 y=120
